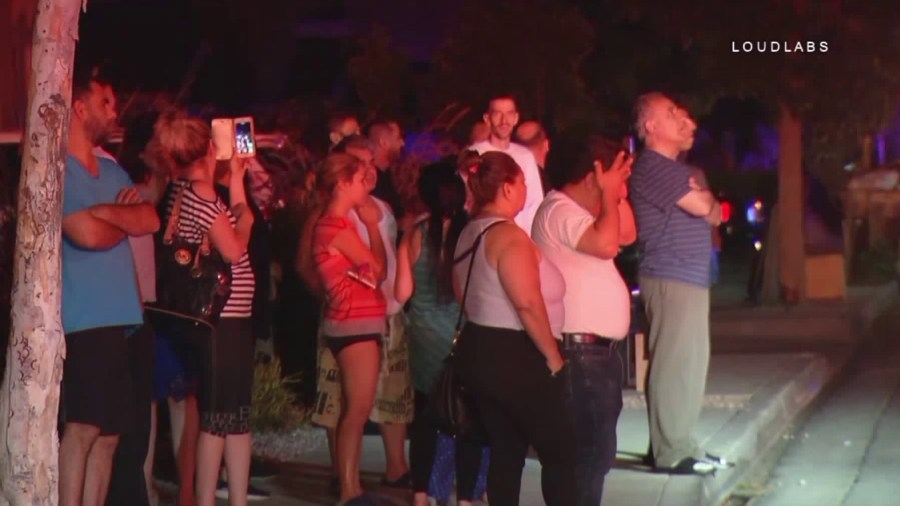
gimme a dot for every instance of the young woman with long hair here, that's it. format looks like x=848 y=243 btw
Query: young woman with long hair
x=355 y=309
x=424 y=279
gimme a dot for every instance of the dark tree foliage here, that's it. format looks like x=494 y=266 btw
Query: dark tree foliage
x=532 y=49
x=840 y=95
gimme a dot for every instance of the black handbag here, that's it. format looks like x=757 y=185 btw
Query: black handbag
x=452 y=407
x=193 y=281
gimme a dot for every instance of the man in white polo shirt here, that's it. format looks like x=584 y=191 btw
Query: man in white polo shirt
x=580 y=227
x=502 y=117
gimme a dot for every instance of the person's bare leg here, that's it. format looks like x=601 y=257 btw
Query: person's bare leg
x=176 y=420
x=332 y=448
x=237 y=461
x=152 y=495
x=185 y=420
x=77 y=440
x=394 y=437
x=359 y=371
x=99 y=470
x=209 y=459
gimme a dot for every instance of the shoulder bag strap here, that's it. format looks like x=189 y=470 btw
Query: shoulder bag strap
x=470 y=252
x=172 y=224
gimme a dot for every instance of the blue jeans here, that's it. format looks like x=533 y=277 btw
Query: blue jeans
x=594 y=398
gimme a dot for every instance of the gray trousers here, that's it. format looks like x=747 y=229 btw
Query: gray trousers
x=679 y=360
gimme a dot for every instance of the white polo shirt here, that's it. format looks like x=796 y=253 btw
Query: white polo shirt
x=533 y=187
x=597 y=301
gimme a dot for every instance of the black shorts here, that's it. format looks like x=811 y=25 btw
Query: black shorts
x=337 y=344
x=97 y=384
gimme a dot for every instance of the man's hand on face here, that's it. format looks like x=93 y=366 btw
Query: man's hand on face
x=614 y=178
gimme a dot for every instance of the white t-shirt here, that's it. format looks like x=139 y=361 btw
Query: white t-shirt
x=597 y=300
x=388 y=228
x=534 y=189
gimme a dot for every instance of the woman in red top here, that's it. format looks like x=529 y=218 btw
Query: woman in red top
x=355 y=311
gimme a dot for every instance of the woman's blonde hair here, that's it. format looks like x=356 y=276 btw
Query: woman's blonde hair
x=181 y=138
x=335 y=168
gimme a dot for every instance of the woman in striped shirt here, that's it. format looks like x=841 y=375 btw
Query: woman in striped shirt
x=226 y=357
x=355 y=310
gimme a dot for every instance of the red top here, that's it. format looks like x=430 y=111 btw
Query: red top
x=351 y=308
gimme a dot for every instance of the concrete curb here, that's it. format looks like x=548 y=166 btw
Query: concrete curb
x=768 y=415
x=756 y=429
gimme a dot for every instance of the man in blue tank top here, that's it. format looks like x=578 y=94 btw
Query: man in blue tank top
x=674 y=216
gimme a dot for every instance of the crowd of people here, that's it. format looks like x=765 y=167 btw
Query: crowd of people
x=515 y=234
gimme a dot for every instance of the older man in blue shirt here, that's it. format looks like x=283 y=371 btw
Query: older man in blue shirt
x=674 y=216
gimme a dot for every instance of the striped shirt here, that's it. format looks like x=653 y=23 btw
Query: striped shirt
x=197 y=217
x=351 y=308
x=673 y=244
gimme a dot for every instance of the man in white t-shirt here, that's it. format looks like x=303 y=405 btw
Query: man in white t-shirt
x=580 y=228
x=502 y=117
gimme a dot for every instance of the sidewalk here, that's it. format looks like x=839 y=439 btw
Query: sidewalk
x=750 y=400
x=754 y=391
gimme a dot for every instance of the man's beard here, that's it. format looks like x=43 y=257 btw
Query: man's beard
x=98 y=132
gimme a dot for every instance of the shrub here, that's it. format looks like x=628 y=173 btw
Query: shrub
x=274 y=406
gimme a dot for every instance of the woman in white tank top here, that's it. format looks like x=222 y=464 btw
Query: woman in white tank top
x=508 y=357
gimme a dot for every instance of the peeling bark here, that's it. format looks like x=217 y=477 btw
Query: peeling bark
x=29 y=399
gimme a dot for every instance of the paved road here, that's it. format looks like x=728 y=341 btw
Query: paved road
x=847 y=453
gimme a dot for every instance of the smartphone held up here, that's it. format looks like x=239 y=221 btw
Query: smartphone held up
x=222 y=134
x=628 y=145
x=244 y=138
x=234 y=137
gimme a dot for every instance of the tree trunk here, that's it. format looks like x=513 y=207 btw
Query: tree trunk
x=791 y=249
x=29 y=400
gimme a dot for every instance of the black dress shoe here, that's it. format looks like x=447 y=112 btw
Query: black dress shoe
x=690 y=466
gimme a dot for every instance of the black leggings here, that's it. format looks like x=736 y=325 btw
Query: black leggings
x=422 y=449
x=226 y=377
x=519 y=404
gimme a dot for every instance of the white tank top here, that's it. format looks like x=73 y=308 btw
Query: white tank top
x=486 y=302
x=388 y=228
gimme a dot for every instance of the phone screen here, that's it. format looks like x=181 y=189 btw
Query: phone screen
x=628 y=145
x=244 y=142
